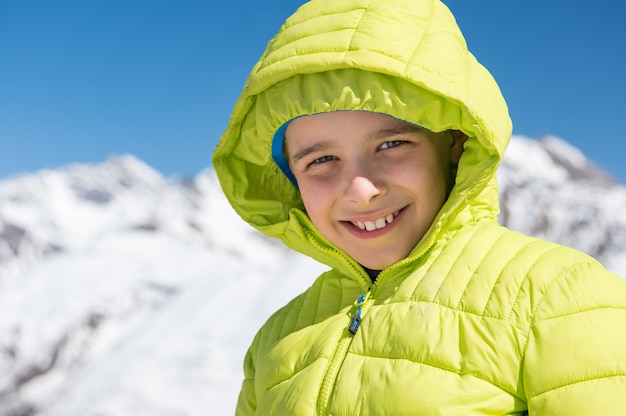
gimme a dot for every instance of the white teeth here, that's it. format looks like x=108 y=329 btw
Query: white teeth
x=373 y=225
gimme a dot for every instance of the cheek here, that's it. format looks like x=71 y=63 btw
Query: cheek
x=427 y=181
x=314 y=199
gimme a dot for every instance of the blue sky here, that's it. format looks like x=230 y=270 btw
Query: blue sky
x=81 y=80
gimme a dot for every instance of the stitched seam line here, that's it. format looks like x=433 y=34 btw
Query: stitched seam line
x=418 y=44
x=533 y=321
x=317 y=16
x=474 y=275
x=526 y=272
x=356 y=27
x=460 y=255
x=296 y=373
x=421 y=282
x=502 y=270
x=551 y=285
x=438 y=367
x=584 y=311
x=578 y=382
x=497 y=318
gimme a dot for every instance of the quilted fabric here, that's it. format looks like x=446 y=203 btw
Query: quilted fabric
x=477 y=320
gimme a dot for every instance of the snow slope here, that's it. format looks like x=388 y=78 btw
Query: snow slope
x=126 y=293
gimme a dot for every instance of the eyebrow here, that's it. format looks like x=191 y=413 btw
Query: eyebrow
x=317 y=147
x=393 y=131
x=377 y=135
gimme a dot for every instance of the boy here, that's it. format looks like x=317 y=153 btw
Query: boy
x=368 y=137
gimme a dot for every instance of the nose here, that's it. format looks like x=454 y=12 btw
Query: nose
x=362 y=190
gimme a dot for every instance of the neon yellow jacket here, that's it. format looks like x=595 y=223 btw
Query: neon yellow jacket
x=478 y=319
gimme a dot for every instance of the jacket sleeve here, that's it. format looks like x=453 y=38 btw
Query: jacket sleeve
x=246 y=404
x=575 y=356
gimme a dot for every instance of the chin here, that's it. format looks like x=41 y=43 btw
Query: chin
x=378 y=265
x=382 y=262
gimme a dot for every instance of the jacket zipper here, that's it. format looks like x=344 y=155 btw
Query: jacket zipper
x=355 y=323
x=340 y=354
x=341 y=351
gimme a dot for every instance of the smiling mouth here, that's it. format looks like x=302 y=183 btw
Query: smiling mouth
x=376 y=224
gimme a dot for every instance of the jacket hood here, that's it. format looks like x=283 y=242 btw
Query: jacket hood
x=404 y=58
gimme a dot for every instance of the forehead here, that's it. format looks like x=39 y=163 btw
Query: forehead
x=342 y=122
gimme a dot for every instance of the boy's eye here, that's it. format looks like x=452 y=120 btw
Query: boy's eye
x=323 y=159
x=390 y=144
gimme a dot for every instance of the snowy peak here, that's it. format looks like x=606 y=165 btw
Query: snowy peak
x=98 y=184
x=54 y=209
x=95 y=183
x=549 y=189
x=551 y=160
x=69 y=209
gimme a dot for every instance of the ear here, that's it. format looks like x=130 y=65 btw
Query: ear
x=456 y=147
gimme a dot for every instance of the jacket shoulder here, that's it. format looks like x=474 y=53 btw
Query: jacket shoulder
x=495 y=272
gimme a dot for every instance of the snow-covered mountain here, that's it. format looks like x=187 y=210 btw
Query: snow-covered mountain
x=549 y=189
x=126 y=293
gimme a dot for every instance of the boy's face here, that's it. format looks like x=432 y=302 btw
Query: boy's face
x=370 y=183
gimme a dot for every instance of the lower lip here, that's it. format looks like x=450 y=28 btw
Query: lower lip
x=356 y=231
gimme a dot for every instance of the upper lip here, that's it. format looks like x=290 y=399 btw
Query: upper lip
x=373 y=216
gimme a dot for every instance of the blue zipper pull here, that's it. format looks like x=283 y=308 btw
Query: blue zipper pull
x=354 y=324
x=356 y=320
